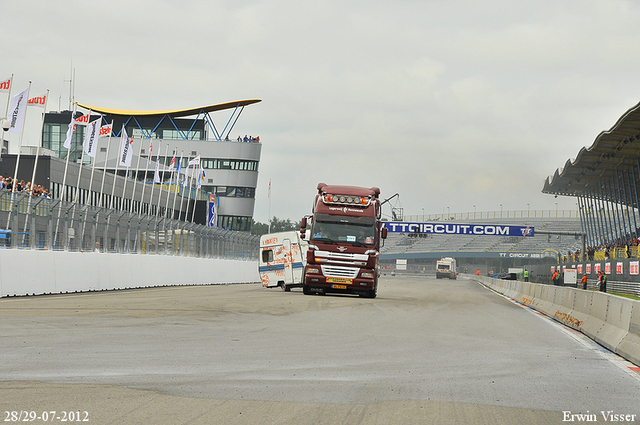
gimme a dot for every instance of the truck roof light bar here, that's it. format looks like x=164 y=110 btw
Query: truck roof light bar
x=346 y=200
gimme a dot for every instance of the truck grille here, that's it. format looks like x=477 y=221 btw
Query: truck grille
x=339 y=271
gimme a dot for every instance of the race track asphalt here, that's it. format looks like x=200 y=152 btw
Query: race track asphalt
x=424 y=351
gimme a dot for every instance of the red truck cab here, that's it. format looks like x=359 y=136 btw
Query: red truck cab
x=344 y=241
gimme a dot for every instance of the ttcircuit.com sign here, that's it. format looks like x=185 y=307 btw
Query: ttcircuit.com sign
x=458 y=229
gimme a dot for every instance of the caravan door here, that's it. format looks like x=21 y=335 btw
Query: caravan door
x=288 y=262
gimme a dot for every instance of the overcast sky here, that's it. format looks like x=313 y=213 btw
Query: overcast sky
x=451 y=104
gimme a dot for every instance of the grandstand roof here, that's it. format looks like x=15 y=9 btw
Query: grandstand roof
x=173 y=112
x=612 y=151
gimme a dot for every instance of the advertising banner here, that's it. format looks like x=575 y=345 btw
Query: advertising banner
x=439 y=228
x=212 y=211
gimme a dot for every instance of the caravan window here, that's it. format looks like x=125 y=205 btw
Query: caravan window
x=267 y=255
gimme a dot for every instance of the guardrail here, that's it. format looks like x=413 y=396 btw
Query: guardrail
x=481 y=215
x=611 y=321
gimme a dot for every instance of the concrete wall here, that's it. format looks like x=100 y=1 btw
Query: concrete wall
x=31 y=272
x=611 y=321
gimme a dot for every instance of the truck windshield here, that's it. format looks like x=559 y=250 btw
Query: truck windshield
x=341 y=229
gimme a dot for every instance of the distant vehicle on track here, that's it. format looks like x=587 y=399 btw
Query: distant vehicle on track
x=446 y=268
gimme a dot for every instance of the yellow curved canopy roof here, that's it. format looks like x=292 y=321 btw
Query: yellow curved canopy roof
x=172 y=113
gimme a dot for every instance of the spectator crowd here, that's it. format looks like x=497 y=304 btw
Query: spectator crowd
x=15 y=186
x=626 y=247
x=249 y=139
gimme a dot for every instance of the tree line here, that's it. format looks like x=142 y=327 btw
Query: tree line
x=277 y=225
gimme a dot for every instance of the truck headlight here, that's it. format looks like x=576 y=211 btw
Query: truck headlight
x=313 y=270
x=368 y=275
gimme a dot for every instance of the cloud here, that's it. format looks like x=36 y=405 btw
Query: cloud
x=449 y=104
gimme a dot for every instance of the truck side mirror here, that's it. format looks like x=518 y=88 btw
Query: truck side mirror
x=303 y=227
x=384 y=233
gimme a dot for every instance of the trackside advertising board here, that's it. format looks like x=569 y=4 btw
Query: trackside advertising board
x=212 y=211
x=439 y=228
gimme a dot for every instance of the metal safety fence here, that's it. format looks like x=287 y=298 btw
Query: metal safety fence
x=493 y=215
x=30 y=222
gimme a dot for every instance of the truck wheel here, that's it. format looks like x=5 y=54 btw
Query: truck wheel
x=283 y=286
x=305 y=290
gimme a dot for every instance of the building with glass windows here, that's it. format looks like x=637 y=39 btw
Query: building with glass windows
x=229 y=163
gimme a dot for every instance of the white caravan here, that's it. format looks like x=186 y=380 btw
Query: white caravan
x=282 y=259
x=446 y=268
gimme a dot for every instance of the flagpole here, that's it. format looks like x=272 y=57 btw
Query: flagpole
x=269 y=205
x=15 y=174
x=66 y=167
x=126 y=174
x=184 y=189
x=133 y=195
x=156 y=230
x=135 y=180
x=186 y=214
x=92 y=136
x=93 y=160
x=144 y=179
x=6 y=112
x=198 y=186
x=35 y=164
x=106 y=158
x=77 y=194
x=193 y=212
x=173 y=208
x=166 y=151
x=113 y=188
x=166 y=206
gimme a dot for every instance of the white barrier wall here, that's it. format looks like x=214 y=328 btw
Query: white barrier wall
x=612 y=321
x=26 y=272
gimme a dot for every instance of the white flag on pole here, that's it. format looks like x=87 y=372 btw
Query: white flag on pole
x=186 y=176
x=156 y=176
x=82 y=120
x=5 y=85
x=72 y=126
x=91 y=139
x=17 y=111
x=38 y=101
x=105 y=130
x=126 y=152
x=195 y=161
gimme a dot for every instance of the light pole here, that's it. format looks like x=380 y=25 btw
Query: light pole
x=423 y=215
x=528 y=210
x=474 y=212
x=500 y=210
x=448 y=213
x=556 y=209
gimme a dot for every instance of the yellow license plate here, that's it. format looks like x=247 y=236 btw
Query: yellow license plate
x=339 y=286
x=338 y=280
